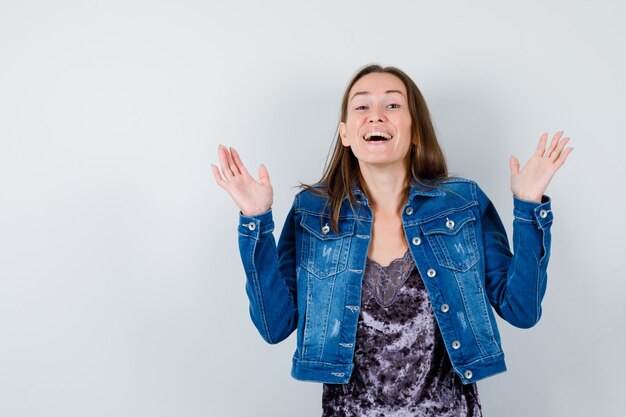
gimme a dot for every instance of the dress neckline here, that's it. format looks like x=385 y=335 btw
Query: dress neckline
x=402 y=258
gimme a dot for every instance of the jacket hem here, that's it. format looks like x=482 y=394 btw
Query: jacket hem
x=481 y=369
x=323 y=372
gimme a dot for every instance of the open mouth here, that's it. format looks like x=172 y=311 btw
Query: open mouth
x=377 y=137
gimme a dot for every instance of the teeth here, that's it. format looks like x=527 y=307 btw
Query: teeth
x=381 y=134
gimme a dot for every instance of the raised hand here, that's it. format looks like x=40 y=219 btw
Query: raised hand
x=251 y=197
x=530 y=182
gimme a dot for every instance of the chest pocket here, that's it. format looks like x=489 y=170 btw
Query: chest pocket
x=324 y=252
x=453 y=240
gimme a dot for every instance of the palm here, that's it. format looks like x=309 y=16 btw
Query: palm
x=531 y=182
x=251 y=196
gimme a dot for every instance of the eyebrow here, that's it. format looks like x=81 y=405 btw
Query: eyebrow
x=361 y=93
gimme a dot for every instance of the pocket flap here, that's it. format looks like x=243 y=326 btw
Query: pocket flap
x=449 y=224
x=321 y=228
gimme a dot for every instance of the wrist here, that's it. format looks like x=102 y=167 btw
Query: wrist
x=531 y=198
x=256 y=212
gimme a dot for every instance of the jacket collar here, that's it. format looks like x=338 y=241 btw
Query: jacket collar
x=415 y=190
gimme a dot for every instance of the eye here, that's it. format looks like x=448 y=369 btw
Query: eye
x=361 y=108
x=394 y=106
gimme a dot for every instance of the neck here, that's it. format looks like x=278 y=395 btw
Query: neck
x=386 y=189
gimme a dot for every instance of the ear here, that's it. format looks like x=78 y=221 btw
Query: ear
x=342 y=132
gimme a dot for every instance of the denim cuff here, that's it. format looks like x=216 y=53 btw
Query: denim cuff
x=256 y=225
x=533 y=212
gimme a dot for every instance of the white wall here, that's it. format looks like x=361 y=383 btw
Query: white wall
x=121 y=288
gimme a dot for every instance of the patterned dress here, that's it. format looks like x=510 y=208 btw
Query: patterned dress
x=401 y=365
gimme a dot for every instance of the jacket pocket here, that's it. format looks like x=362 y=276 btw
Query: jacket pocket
x=453 y=240
x=324 y=252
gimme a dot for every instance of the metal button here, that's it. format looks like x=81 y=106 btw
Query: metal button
x=251 y=226
x=445 y=308
x=431 y=273
x=450 y=224
x=416 y=241
x=456 y=344
x=468 y=374
x=409 y=210
x=543 y=214
x=325 y=229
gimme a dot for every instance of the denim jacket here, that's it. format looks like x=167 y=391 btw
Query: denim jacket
x=312 y=280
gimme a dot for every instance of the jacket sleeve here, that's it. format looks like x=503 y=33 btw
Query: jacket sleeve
x=270 y=273
x=516 y=282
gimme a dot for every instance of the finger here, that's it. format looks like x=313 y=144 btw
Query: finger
x=231 y=163
x=557 y=151
x=264 y=176
x=240 y=166
x=541 y=146
x=218 y=178
x=226 y=170
x=514 y=165
x=554 y=143
x=559 y=162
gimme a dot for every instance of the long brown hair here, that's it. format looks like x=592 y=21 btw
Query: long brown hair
x=427 y=164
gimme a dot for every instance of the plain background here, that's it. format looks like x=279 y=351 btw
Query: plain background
x=121 y=289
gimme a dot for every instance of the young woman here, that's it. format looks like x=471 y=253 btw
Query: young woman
x=388 y=267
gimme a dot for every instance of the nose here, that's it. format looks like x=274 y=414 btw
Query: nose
x=376 y=115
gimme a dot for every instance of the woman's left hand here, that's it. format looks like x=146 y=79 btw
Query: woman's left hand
x=530 y=182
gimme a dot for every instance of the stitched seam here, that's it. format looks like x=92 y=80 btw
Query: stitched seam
x=539 y=273
x=482 y=358
x=257 y=289
x=270 y=230
x=442 y=214
x=521 y=219
x=469 y=316
x=317 y=213
x=327 y=315
x=307 y=325
x=333 y=364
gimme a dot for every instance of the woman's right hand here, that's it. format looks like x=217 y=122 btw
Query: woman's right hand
x=251 y=197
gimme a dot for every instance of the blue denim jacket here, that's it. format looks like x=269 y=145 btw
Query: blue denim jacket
x=312 y=280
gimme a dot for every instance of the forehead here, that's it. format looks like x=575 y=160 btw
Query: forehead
x=378 y=83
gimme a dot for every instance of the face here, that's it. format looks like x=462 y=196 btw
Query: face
x=378 y=123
